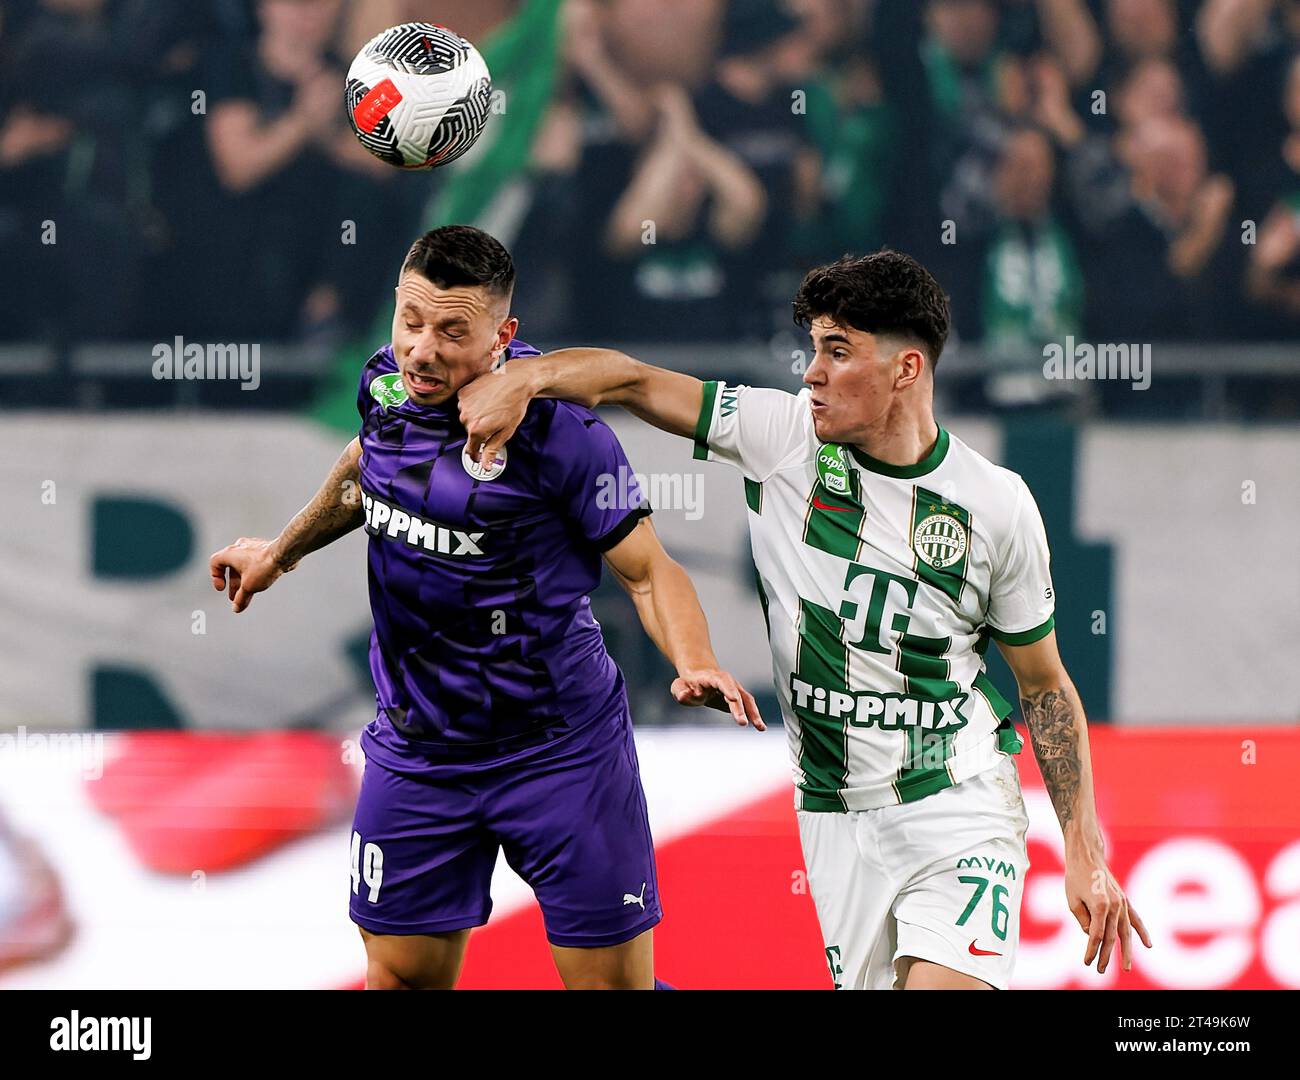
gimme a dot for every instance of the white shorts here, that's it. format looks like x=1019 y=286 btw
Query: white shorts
x=938 y=879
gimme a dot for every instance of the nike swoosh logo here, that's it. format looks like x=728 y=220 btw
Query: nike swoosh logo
x=981 y=952
x=826 y=506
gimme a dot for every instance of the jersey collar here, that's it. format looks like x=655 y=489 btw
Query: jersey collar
x=927 y=464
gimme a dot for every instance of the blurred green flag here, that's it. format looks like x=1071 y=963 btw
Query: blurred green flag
x=523 y=56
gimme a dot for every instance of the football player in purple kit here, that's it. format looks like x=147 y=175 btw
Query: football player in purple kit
x=502 y=721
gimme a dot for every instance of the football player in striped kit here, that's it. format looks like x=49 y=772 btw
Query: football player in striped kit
x=889 y=553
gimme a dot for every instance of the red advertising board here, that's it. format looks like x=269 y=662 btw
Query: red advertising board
x=1202 y=830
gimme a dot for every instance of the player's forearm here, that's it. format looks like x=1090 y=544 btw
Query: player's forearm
x=1059 y=733
x=667 y=399
x=334 y=511
x=671 y=614
x=589 y=377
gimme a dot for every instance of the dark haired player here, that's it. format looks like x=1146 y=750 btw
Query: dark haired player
x=889 y=552
x=502 y=722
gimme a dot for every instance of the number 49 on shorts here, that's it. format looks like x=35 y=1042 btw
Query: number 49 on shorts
x=367 y=864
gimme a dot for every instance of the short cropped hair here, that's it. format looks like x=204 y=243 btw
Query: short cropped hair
x=462 y=255
x=885 y=292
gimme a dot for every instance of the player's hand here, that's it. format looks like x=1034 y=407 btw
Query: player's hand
x=247 y=566
x=1103 y=911
x=717 y=689
x=491 y=408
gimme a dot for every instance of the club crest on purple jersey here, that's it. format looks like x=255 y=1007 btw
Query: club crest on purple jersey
x=479 y=472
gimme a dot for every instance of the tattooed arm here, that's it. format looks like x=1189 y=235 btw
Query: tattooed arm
x=254 y=564
x=1059 y=732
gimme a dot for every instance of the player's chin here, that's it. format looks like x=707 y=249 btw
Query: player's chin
x=826 y=430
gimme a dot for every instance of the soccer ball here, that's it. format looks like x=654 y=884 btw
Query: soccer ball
x=417 y=95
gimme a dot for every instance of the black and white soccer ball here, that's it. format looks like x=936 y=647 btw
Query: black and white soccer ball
x=418 y=95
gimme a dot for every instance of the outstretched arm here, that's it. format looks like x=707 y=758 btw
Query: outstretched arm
x=1059 y=732
x=492 y=406
x=334 y=511
x=670 y=611
x=251 y=565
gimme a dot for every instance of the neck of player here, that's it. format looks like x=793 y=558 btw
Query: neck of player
x=901 y=437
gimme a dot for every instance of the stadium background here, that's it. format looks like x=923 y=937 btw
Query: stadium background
x=176 y=785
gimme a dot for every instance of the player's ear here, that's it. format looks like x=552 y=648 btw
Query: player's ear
x=506 y=331
x=912 y=364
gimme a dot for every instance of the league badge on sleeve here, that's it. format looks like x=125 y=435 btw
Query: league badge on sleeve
x=831 y=469
x=388 y=390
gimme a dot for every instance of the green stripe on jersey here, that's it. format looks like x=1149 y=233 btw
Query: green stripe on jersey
x=1001 y=706
x=754 y=495
x=924 y=768
x=833 y=522
x=941 y=537
x=1009 y=740
x=1025 y=637
x=705 y=421
x=823 y=661
x=924 y=662
x=762 y=598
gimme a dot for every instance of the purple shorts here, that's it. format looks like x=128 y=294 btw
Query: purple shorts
x=571 y=817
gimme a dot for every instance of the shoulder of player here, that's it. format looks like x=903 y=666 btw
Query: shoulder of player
x=518 y=348
x=793 y=408
x=379 y=365
x=380 y=362
x=998 y=492
x=548 y=419
x=771 y=398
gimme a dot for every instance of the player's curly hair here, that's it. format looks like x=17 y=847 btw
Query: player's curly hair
x=885 y=292
x=462 y=255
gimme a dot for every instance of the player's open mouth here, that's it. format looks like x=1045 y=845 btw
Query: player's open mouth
x=422 y=384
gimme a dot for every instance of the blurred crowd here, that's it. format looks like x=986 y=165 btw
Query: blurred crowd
x=1119 y=170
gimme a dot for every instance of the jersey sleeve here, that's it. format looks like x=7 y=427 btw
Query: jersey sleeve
x=364 y=401
x=1021 y=599
x=755 y=429
x=588 y=475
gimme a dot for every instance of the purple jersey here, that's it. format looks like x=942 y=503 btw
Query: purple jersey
x=484 y=642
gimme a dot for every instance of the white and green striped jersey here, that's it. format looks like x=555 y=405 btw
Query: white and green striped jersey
x=881 y=586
